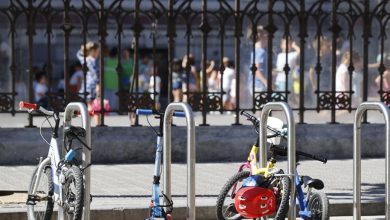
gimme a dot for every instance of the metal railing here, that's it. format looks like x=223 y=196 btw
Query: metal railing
x=291 y=156
x=357 y=170
x=70 y=110
x=191 y=154
x=208 y=30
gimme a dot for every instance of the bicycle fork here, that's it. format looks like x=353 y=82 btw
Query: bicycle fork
x=156 y=211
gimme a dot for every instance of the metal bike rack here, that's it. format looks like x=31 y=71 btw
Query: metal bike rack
x=291 y=166
x=357 y=154
x=167 y=160
x=86 y=156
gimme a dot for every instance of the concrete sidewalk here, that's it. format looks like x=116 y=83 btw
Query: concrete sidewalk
x=213 y=118
x=126 y=188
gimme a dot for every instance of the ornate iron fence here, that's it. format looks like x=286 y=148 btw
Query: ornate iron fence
x=253 y=34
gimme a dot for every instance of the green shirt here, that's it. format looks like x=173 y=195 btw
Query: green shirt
x=110 y=74
x=127 y=66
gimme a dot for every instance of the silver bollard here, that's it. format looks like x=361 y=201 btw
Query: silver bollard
x=167 y=160
x=291 y=166
x=357 y=155
x=86 y=123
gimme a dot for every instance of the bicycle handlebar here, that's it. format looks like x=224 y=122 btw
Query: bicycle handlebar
x=152 y=112
x=256 y=123
x=27 y=105
x=282 y=151
x=34 y=107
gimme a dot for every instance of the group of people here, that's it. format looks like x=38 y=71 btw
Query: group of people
x=186 y=80
x=113 y=82
x=220 y=79
x=287 y=60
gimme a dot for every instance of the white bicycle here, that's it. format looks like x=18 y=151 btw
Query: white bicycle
x=57 y=180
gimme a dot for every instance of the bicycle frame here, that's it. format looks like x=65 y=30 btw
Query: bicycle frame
x=52 y=159
x=156 y=209
x=302 y=201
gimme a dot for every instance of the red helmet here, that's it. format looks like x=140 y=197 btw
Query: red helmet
x=255 y=202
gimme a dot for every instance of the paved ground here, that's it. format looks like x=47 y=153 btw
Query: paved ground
x=215 y=118
x=128 y=186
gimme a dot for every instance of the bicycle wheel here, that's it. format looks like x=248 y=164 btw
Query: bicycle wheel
x=73 y=194
x=318 y=205
x=225 y=202
x=42 y=209
x=282 y=188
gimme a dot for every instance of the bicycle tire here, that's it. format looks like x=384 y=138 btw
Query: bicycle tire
x=73 y=194
x=319 y=206
x=283 y=200
x=224 y=192
x=34 y=211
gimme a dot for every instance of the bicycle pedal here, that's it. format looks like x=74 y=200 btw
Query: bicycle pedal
x=31 y=199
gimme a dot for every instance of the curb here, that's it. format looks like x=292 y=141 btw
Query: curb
x=202 y=212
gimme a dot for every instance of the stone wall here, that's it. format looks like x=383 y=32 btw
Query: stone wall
x=22 y=146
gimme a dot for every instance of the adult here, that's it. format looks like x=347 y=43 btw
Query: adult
x=326 y=67
x=386 y=76
x=286 y=57
x=177 y=84
x=190 y=76
x=259 y=60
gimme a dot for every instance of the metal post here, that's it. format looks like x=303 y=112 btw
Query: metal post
x=357 y=154
x=291 y=166
x=167 y=160
x=86 y=123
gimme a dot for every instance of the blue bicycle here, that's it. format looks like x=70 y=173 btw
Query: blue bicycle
x=247 y=194
x=315 y=205
x=158 y=210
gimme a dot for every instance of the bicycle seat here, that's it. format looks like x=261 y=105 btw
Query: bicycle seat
x=313 y=183
x=71 y=132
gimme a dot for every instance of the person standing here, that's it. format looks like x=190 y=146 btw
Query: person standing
x=259 y=60
x=41 y=89
x=343 y=74
x=227 y=79
x=286 y=57
x=76 y=79
x=111 y=83
x=88 y=55
x=177 y=84
x=190 y=75
x=127 y=66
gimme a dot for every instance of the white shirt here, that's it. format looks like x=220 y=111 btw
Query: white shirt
x=40 y=89
x=228 y=76
x=75 y=76
x=158 y=84
x=281 y=63
x=342 y=78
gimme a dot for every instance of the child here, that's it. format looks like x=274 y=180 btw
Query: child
x=151 y=90
x=96 y=106
x=76 y=78
x=41 y=89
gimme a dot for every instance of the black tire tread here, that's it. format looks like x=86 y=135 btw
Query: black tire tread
x=50 y=203
x=284 y=203
x=324 y=202
x=75 y=172
x=225 y=190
